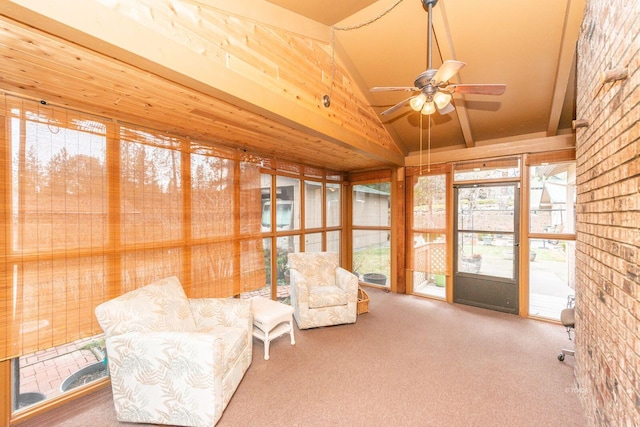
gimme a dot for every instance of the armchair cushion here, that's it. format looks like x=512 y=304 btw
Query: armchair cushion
x=318 y=268
x=231 y=320
x=159 y=306
x=326 y=296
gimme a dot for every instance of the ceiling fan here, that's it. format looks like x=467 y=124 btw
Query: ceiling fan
x=435 y=92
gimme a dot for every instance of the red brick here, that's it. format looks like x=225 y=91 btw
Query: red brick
x=608 y=214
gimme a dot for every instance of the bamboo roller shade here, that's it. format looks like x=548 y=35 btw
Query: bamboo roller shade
x=94 y=209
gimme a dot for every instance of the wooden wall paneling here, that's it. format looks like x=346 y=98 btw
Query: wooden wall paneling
x=114 y=190
x=410 y=182
x=550 y=157
x=509 y=162
x=323 y=209
x=524 y=239
x=449 y=236
x=380 y=174
x=5 y=296
x=303 y=214
x=435 y=169
x=5 y=214
x=5 y=392
x=185 y=166
x=347 y=233
x=237 y=232
x=273 y=238
x=398 y=236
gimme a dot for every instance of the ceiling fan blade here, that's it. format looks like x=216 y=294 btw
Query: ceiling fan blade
x=446 y=110
x=394 y=88
x=397 y=106
x=481 y=89
x=448 y=69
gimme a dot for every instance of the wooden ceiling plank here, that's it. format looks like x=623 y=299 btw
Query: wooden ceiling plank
x=150 y=96
x=134 y=105
x=256 y=129
x=271 y=15
x=566 y=57
x=200 y=74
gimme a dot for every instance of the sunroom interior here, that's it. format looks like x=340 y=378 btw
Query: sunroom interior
x=209 y=139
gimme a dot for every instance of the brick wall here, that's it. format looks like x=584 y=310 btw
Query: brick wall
x=608 y=215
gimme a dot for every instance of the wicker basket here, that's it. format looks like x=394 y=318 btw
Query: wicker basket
x=363 y=301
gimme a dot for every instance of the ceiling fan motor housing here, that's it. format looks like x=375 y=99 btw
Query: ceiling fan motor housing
x=427 y=3
x=423 y=82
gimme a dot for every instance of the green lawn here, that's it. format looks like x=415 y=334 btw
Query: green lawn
x=372 y=260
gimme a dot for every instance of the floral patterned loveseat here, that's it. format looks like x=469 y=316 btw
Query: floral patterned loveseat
x=174 y=360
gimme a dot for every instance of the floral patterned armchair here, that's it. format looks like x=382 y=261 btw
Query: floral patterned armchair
x=322 y=292
x=174 y=360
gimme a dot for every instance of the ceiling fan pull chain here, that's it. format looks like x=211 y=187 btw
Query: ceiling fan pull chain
x=420 y=154
x=428 y=146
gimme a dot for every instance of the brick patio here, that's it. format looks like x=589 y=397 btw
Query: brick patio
x=44 y=371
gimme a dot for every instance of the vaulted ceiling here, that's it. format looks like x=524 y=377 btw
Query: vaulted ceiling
x=527 y=45
x=64 y=53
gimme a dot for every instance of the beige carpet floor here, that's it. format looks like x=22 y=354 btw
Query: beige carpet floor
x=410 y=361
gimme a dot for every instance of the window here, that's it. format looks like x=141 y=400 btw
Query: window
x=371 y=232
x=334 y=205
x=552 y=200
x=284 y=214
x=58 y=254
x=375 y=210
x=313 y=242
x=333 y=241
x=322 y=199
x=429 y=235
x=96 y=208
x=288 y=198
x=57 y=250
x=313 y=201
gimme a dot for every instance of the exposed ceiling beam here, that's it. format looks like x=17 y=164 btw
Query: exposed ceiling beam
x=444 y=40
x=512 y=148
x=570 y=31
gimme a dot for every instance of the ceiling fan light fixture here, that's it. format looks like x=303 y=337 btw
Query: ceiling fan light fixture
x=435 y=91
x=417 y=102
x=441 y=99
x=429 y=108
